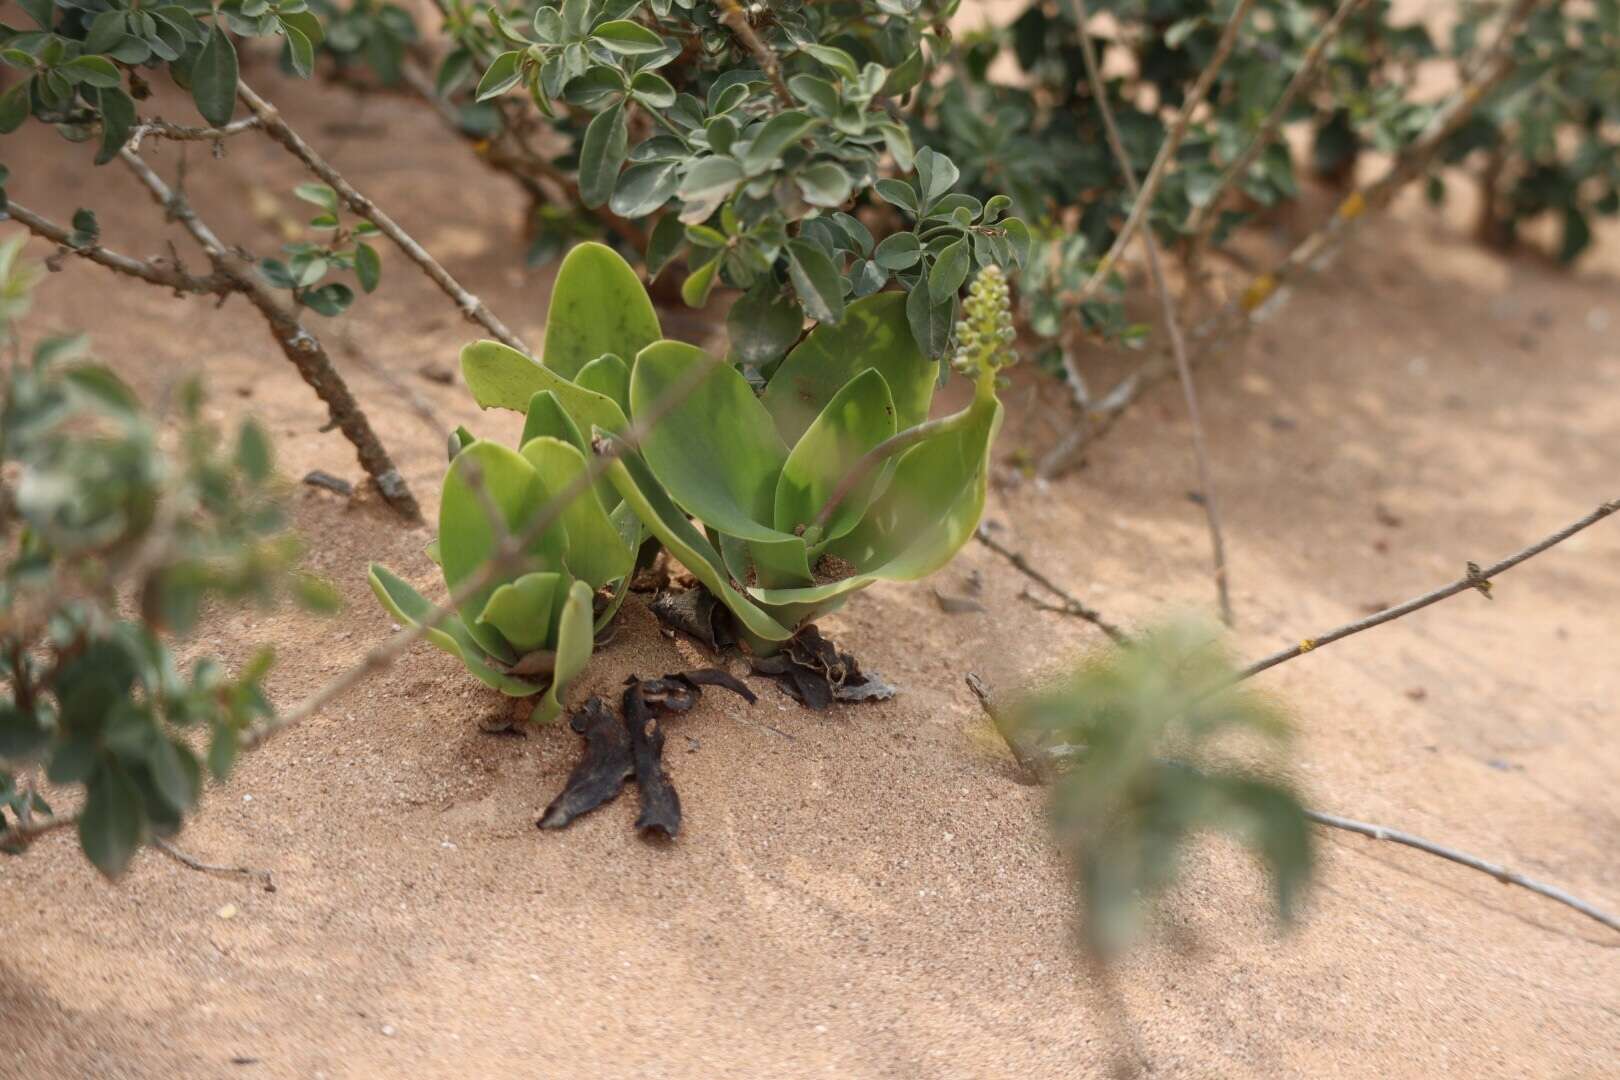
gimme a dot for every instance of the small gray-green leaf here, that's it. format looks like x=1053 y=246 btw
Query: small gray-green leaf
x=778 y=133
x=949 y=271
x=213 y=78
x=367 y=266
x=502 y=75
x=601 y=155
x=900 y=251
x=823 y=184
x=628 y=38
x=816 y=280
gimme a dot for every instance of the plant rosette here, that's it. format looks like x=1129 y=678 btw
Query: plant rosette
x=532 y=632
x=831 y=479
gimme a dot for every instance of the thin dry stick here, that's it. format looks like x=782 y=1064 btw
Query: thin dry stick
x=469 y=305
x=1500 y=873
x=1167 y=150
x=1261 y=294
x=151 y=271
x=160 y=128
x=1167 y=308
x=263 y=877
x=1202 y=220
x=1071 y=606
x=299 y=346
x=1476 y=578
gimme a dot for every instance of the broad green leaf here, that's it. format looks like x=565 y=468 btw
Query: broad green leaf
x=926 y=513
x=213 y=78
x=628 y=38
x=575 y=640
x=816 y=280
x=501 y=377
x=547 y=417
x=835 y=58
x=609 y=376
x=936 y=175
x=763 y=323
x=716 y=450
x=524 y=611
x=598 y=306
x=596 y=553
x=113 y=824
x=306 y=22
x=860 y=416
x=411 y=608
x=652 y=90
x=642 y=493
x=817 y=93
x=601 y=155
x=490 y=492
x=874 y=334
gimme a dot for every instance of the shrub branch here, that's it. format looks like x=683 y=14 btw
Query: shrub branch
x=300 y=346
x=151 y=271
x=1143 y=201
x=469 y=305
x=1167 y=304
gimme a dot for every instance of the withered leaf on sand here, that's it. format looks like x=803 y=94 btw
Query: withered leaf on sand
x=812 y=671
x=607 y=763
x=697 y=613
x=616 y=750
x=660 y=805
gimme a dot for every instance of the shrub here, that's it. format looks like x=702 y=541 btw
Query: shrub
x=115 y=541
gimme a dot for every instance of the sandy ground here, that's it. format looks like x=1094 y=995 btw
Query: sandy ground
x=870 y=893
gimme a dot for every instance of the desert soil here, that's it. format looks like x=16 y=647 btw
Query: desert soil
x=871 y=892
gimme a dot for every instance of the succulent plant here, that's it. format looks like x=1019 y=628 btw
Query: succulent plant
x=830 y=479
x=532 y=631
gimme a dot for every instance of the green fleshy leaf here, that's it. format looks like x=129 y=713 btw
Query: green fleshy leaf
x=687 y=543
x=928 y=511
x=609 y=376
x=598 y=306
x=860 y=416
x=472 y=523
x=597 y=553
x=501 y=377
x=716 y=450
x=411 y=608
x=575 y=639
x=874 y=334
x=524 y=611
x=546 y=416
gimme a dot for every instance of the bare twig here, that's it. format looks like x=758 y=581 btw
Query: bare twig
x=158 y=128
x=263 y=877
x=167 y=275
x=1043 y=768
x=1462 y=858
x=736 y=20
x=1167 y=304
x=1143 y=201
x=469 y=305
x=1203 y=218
x=1037 y=768
x=299 y=346
x=1476 y=578
x=1071 y=606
